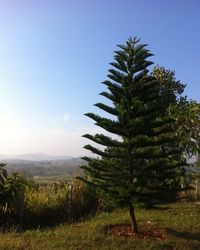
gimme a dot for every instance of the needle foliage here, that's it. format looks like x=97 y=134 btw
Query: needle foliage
x=144 y=164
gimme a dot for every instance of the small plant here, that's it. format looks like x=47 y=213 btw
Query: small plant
x=10 y=189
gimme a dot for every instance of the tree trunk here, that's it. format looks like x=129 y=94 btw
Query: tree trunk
x=133 y=219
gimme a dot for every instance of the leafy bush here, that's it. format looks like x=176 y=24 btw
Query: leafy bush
x=11 y=187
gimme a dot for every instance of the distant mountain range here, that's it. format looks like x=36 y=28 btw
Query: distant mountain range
x=43 y=165
x=35 y=157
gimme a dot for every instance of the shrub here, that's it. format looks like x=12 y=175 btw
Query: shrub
x=10 y=190
x=83 y=201
x=29 y=204
x=46 y=205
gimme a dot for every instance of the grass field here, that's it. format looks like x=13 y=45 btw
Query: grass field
x=180 y=224
x=51 y=179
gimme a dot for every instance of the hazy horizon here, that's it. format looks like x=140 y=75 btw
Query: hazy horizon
x=36 y=153
x=36 y=157
x=55 y=54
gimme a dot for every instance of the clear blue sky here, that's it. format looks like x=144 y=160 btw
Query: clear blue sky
x=55 y=53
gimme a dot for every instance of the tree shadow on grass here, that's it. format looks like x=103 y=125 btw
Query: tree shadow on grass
x=184 y=234
x=191 y=239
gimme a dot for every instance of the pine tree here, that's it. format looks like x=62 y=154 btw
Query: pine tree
x=145 y=161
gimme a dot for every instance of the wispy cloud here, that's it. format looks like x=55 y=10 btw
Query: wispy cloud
x=66 y=118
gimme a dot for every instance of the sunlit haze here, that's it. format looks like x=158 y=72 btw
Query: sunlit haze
x=55 y=54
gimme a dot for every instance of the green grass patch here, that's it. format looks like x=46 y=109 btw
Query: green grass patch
x=180 y=222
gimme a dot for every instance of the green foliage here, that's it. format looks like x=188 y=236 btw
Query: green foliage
x=171 y=90
x=187 y=115
x=185 y=112
x=10 y=187
x=3 y=178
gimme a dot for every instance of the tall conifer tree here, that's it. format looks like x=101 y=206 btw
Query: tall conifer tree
x=145 y=162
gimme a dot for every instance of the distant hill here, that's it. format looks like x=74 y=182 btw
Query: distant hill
x=35 y=157
x=43 y=165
